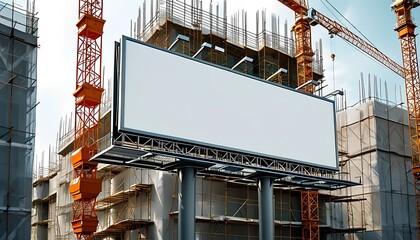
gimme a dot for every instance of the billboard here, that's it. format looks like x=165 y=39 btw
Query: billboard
x=175 y=97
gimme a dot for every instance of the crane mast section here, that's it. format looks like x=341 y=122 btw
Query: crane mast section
x=334 y=28
x=85 y=186
x=406 y=33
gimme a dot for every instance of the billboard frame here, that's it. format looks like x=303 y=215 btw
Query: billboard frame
x=119 y=88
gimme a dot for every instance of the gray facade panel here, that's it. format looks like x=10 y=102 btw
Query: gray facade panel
x=17 y=120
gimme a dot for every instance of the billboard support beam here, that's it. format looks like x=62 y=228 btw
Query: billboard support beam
x=186 y=203
x=265 y=208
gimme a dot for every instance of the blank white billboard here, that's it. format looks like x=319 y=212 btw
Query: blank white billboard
x=167 y=95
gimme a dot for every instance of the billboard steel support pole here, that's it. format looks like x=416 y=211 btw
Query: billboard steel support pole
x=186 y=203
x=265 y=208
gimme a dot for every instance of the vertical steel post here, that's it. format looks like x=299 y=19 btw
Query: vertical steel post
x=265 y=208
x=186 y=203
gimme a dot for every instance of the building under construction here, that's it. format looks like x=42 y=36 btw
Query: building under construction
x=371 y=197
x=18 y=81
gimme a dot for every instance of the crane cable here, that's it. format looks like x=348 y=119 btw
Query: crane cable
x=332 y=48
x=346 y=20
x=333 y=55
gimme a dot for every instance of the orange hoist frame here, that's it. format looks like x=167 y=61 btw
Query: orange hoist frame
x=85 y=187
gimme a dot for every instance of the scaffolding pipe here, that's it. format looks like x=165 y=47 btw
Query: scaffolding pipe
x=265 y=208
x=186 y=203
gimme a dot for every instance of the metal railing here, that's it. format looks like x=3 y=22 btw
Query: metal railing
x=195 y=18
x=162 y=147
x=18 y=18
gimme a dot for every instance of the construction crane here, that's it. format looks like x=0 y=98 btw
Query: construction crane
x=85 y=187
x=410 y=72
x=333 y=27
x=405 y=28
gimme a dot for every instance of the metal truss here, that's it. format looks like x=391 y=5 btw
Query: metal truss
x=155 y=153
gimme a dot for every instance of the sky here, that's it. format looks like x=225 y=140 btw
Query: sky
x=57 y=49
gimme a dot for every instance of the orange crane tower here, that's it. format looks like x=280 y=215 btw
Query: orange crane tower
x=304 y=53
x=334 y=28
x=85 y=187
x=410 y=72
x=405 y=28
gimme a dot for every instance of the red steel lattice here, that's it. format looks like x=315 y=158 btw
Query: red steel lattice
x=85 y=187
x=405 y=28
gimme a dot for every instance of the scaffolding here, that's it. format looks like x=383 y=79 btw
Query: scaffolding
x=230 y=41
x=18 y=81
x=374 y=142
x=65 y=137
x=138 y=203
x=226 y=208
x=123 y=205
x=134 y=200
x=44 y=196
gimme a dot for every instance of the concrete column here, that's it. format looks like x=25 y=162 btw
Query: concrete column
x=265 y=208
x=186 y=203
